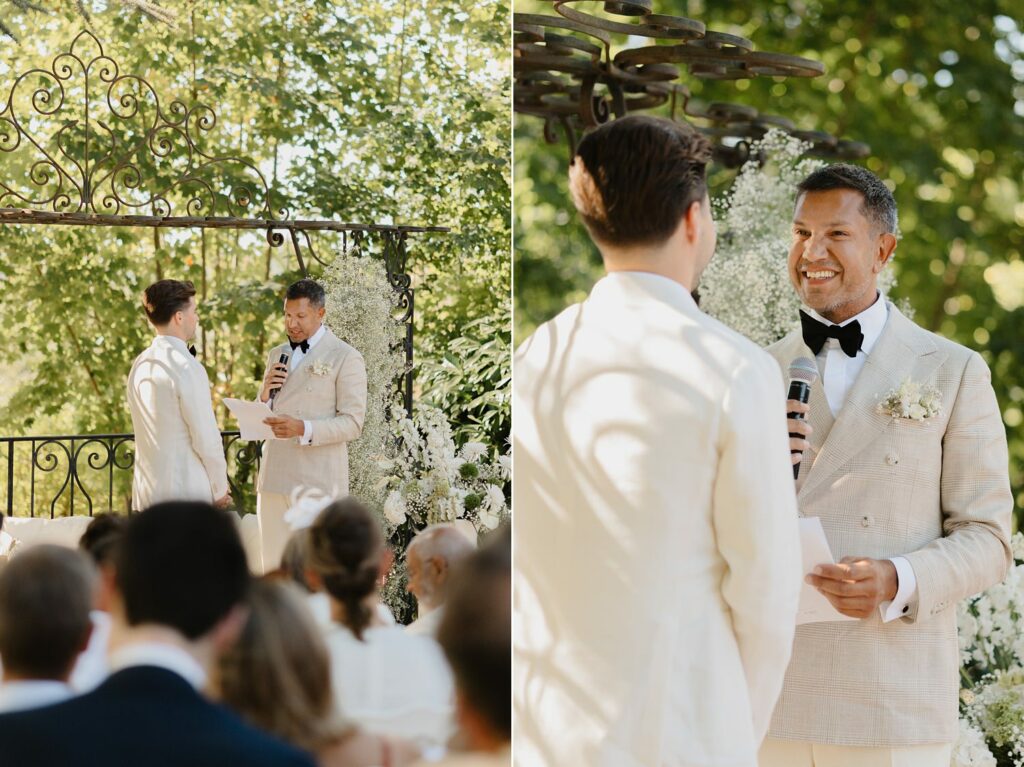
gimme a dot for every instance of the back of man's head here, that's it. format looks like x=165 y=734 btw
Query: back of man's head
x=476 y=636
x=102 y=536
x=633 y=179
x=46 y=593
x=181 y=564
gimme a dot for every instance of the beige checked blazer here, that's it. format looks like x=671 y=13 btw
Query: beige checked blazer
x=335 y=403
x=936 y=492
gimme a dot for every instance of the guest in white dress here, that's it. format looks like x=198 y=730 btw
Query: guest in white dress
x=45 y=597
x=387 y=681
x=277 y=677
x=99 y=541
x=429 y=560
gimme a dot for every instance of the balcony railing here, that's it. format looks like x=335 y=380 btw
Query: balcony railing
x=85 y=474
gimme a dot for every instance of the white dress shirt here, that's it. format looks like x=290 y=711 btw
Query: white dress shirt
x=161 y=655
x=294 y=362
x=428 y=623
x=838 y=373
x=32 y=693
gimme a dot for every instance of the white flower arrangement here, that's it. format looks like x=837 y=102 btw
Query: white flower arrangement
x=429 y=481
x=320 y=368
x=990 y=628
x=913 y=401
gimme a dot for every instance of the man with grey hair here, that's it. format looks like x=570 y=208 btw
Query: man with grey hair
x=429 y=561
x=46 y=594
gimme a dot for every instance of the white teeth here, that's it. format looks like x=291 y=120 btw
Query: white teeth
x=820 y=275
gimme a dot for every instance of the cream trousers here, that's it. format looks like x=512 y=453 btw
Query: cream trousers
x=794 y=753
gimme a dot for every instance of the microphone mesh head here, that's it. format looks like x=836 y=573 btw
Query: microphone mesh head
x=803 y=369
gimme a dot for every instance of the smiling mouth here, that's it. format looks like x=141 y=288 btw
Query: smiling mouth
x=819 y=275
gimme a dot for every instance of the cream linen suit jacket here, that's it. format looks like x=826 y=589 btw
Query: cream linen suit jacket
x=657 y=557
x=936 y=492
x=179 y=454
x=335 y=404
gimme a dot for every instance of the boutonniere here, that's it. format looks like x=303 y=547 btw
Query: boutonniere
x=320 y=368
x=912 y=400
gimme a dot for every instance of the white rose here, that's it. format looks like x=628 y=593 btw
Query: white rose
x=917 y=412
x=488 y=520
x=394 y=508
x=473 y=450
x=495 y=499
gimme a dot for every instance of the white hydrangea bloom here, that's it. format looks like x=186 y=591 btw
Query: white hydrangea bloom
x=394 y=508
x=970 y=749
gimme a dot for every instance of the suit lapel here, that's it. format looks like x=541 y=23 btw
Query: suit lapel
x=323 y=347
x=896 y=355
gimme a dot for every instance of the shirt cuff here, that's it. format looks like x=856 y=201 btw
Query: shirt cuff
x=307 y=434
x=906 y=591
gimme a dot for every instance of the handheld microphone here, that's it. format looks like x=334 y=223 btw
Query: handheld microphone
x=802 y=375
x=275 y=390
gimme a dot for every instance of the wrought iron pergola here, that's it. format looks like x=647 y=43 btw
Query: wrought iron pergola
x=89 y=145
x=96 y=147
x=566 y=74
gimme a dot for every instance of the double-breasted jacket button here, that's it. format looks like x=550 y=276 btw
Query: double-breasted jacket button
x=867 y=520
x=892 y=459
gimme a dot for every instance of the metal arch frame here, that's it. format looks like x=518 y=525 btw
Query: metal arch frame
x=88 y=177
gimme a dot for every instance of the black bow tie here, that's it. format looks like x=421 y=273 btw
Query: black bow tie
x=303 y=344
x=192 y=350
x=817 y=333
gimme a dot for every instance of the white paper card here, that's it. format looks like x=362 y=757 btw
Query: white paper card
x=814 y=607
x=250 y=417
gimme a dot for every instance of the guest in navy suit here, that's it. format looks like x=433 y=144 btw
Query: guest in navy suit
x=181 y=578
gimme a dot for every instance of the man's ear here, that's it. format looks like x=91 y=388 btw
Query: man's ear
x=692 y=220
x=886 y=247
x=439 y=567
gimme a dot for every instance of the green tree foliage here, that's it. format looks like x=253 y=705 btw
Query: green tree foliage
x=386 y=112
x=935 y=88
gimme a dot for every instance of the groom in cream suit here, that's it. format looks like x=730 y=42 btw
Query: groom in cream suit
x=319 y=405
x=914 y=497
x=179 y=455
x=657 y=559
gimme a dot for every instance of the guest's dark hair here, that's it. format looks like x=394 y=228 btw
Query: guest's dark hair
x=181 y=564
x=46 y=594
x=476 y=630
x=101 y=537
x=345 y=545
x=310 y=289
x=633 y=179
x=879 y=206
x=164 y=298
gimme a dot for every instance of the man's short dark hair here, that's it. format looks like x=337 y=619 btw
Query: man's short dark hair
x=310 y=289
x=633 y=179
x=101 y=537
x=879 y=206
x=181 y=564
x=163 y=299
x=46 y=594
x=476 y=632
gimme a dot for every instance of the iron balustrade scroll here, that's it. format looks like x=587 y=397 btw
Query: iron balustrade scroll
x=59 y=474
x=566 y=74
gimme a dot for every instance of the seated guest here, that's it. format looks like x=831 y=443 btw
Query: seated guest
x=46 y=593
x=476 y=634
x=278 y=677
x=385 y=680
x=429 y=560
x=181 y=579
x=98 y=541
x=295 y=568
